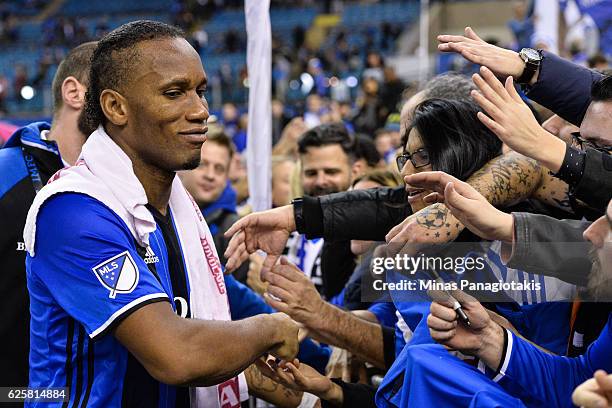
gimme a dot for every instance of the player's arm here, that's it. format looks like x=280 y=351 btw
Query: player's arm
x=202 y=352
x=83 y=264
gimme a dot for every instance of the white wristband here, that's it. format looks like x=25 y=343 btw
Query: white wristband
x=308 y=400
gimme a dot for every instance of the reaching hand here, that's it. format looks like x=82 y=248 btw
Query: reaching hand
x=292 y=292
x=294 y=129
x=513 y=122
x=287 y=144
x=299 y=377
x=595 y=392
x=500 y=60
x=267 y=231
x=446 y=330
x=466 y=204
x=431 y=225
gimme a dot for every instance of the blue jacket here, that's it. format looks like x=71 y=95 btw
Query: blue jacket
x=563 y=87
x=16 y=195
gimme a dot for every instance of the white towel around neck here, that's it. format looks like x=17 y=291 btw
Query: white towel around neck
x=105 y=173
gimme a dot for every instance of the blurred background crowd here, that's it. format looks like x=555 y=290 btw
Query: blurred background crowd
x=346 y=78
x=333 y=60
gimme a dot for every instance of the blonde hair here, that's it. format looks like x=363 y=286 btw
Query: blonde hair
x=385 y=178
x=297 y=189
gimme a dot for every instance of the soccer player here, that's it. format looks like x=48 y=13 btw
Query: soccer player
x=127 y=298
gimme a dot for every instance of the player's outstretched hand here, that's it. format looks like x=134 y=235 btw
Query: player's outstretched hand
x=286 y=331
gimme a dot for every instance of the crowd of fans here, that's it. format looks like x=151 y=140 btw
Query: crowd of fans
x=475 y=146
x=341 y=69
x=329 y=65
x=512 y=163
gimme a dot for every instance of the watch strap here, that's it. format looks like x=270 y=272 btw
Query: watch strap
x=298 y=213
x=531 y=66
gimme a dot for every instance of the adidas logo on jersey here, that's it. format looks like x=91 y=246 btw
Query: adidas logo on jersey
x=150 y=256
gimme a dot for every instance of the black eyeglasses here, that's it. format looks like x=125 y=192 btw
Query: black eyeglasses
x=582 y=143
x=419 y=158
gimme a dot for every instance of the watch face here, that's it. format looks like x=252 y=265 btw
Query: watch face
x=531 y=54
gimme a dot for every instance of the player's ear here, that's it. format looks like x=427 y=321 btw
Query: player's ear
x=114 y=106
x=73 y=93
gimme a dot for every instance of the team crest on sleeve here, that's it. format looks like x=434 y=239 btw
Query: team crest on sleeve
x=118 y=274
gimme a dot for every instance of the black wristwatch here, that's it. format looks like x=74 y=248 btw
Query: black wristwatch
x=298 y=213
x=532 y=59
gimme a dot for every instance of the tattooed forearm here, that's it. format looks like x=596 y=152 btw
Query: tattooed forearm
x=503 y=181
x=257 y=382
x=512 y=178
x=434 y=217
x=439 y=224
x=553 y=191
x=263 y=387
x=507 y=179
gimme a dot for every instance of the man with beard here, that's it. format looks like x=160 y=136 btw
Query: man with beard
x=327 y=155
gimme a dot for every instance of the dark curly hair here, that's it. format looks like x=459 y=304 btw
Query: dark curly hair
x=328 y=134
x=113 y=61
x=601 y=91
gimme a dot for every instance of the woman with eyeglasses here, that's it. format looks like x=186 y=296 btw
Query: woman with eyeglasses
x=445 y=135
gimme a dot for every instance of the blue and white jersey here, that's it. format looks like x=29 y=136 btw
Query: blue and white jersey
x=86 y=276
x=306 y=255
x=530 y=373
x=551 y=289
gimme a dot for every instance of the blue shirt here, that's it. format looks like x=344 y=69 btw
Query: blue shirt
x=530 y=373
x=87 y=275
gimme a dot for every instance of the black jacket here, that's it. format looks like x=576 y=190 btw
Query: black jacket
x=357 y=214
x=565 y=88
x=340 y=217
x=551 y=247
x=556 y=248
